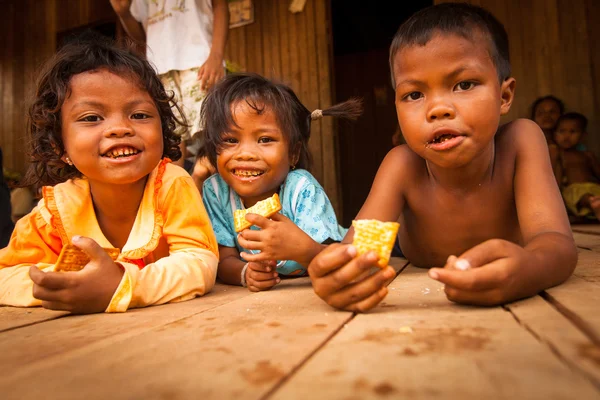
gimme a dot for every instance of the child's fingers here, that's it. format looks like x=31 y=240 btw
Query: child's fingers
x=362 y=290
x=261 y=266
x=51 y=280
x=258 y=257
x=483 y=298
x=369 y=302
x=279 y=217
x=90 y=247
x=342 y=277
x=486 y=252
x=250 y=235
x=474 y=280
x=258 y=220
x=333 y=257
x=45 y=294
x=57 y=306
x=262 y=285
x=250 y=244
x=261 y=276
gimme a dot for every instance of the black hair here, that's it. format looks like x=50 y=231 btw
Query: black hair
x=574 y=116
x=260 y=94
x=538 y=101
x=90 y=52
x=458 y=19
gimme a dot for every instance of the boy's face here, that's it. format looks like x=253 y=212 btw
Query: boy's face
x=448 y=98
x=568 y=133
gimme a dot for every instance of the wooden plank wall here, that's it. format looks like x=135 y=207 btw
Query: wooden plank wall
x=28 y=39
x=295 y=49
x=554 y=49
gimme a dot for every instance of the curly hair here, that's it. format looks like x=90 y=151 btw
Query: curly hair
x=261 y=94
x=89 y=53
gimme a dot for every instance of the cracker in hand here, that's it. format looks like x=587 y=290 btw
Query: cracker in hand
x=266 y=208
x=370 y=234
x=72 y=258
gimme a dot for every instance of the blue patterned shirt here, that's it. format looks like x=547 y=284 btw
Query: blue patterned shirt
x=303 y=201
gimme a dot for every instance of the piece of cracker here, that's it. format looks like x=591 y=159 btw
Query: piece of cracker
x=370 y=234
x=72 y=258
x=266 y=208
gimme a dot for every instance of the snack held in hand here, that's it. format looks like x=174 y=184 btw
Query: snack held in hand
x=266 y=208
x=72 y=258
x=370 y=234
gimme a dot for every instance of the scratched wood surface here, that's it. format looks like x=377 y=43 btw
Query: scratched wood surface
x=288 y=344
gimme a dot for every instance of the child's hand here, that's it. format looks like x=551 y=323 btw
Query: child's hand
x=261 y=276
x=490 y=273
x=278 y=239
x=342 y=280
x=83 y=292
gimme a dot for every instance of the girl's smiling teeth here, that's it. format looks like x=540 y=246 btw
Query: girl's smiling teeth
x=247 y=172
x=121 y=152
x=442 y=138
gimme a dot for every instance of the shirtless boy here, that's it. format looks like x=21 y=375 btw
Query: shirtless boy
x=462 y=186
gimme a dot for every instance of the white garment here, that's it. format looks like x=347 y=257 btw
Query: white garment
x=178 y=32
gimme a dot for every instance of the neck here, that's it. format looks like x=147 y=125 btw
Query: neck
x=467 y=177
x=119 y=202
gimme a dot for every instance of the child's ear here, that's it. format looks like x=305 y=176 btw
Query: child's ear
x=507 y=92
x=295 y=155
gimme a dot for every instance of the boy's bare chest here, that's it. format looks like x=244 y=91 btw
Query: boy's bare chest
x=437 y=223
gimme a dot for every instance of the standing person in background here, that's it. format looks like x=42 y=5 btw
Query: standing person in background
x=545 y=112
x=186 y=43
x=6 y=224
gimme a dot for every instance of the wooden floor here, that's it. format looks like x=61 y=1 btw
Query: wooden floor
x=288 y=344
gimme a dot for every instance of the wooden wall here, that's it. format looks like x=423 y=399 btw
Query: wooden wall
x=28 y=35
x=295 y=49
x=554 y=49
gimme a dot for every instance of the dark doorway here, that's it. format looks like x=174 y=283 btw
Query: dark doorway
x=362 y=34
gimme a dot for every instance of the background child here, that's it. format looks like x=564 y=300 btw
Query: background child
x=577 y=172
x=103 y=125
x=257 y=137
x=462 y=185
x=545 y=112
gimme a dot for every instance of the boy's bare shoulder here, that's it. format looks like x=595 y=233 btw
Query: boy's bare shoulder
x=402 y=162
x=521 y=135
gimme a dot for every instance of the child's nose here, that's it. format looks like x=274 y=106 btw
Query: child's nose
x=246 y=152
x=118 y=131
x=440 y=110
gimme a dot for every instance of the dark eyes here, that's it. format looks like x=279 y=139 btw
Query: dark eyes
x=90 y=118
x=265 y=140
x=230 y=140
x=466 y=85
x=412 y=96
x=140 y=116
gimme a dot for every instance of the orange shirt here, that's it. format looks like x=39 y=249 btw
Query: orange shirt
x=171 y=254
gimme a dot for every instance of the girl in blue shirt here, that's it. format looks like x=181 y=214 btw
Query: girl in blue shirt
x=257 y=134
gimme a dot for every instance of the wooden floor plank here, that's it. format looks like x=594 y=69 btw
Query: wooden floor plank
x=420 y=346
x=588 y=266
x=51 y=340
x=578 y=300
x=238 y=350
x=15 y=317
x=553 y=328
x=587 y=241
x=587 y=228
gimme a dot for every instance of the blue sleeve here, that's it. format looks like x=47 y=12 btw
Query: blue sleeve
x=218 y=216
x=314 y=214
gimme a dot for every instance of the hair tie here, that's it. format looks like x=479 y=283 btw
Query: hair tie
x=316 y=114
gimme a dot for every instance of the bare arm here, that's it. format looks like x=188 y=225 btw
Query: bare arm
x=594 y=164
x=542 y=216
x=556 y=161
x=212 y=70
x=230 y=265
x=220 y=28
x=134 y=29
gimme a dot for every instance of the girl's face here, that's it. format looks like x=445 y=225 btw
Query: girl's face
x=546 y=114
x=111 y=128
x=254 y=158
